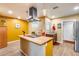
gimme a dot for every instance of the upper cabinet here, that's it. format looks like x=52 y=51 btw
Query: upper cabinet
x=2 y=22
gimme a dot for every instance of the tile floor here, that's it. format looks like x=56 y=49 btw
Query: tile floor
x=13 y=49
x=65 y=49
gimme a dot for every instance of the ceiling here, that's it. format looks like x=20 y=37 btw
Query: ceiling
x=21 y=9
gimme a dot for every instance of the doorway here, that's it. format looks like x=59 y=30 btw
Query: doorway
x=68 y=31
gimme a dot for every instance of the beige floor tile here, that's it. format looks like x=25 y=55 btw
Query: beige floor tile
x=13 y=49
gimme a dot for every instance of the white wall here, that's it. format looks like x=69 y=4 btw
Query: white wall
x=58 y=31
x=34 y=26
x=48 y=25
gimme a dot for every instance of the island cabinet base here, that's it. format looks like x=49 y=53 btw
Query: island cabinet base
x=32 y=49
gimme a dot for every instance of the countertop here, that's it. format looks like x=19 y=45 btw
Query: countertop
x=38 y=40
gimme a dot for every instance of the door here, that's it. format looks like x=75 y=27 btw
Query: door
x=68 y=30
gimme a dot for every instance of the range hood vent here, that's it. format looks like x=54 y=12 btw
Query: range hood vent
x=32 y=14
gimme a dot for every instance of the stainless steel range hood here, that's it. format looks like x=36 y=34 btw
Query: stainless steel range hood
x=32 y=14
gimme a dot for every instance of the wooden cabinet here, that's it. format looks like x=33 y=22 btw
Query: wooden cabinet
x=3 y=36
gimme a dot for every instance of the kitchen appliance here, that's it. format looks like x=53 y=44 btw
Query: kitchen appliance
x=32 y=14
x=76 y=35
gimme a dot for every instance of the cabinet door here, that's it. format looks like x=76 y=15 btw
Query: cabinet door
x=3 y=37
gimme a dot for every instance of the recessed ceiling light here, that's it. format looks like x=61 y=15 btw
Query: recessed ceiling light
x=76 y=8
x=10 y=11
x=19 y=17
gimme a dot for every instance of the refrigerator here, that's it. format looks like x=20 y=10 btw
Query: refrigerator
x=76 y=36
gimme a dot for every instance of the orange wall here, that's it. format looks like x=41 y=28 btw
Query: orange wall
x=12 y=31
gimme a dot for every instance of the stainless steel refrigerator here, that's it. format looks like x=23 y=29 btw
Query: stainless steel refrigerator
x=76 y=35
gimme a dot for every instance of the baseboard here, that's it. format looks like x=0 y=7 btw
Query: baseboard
x=56 y=43
x=13 y=41
x=59 y=42
x=69 y=41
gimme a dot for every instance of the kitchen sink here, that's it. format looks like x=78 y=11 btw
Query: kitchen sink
x=33 y=36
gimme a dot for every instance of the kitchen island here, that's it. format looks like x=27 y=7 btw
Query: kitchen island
x=36 y=46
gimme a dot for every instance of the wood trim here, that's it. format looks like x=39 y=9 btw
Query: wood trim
x=69 y=41
x=68 y=16
x=65 y=16
x=2 y=16
x=13 y=41
x=9 y=17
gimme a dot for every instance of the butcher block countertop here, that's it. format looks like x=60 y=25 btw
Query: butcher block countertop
x=38 y=40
